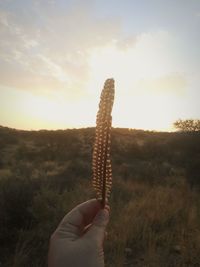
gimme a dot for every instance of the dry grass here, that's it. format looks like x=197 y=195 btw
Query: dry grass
x=159 y=225
x=155 y=215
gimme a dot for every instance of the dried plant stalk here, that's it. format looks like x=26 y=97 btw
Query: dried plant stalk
x=101 y=163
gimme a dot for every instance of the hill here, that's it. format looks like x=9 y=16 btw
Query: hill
x=43 y=174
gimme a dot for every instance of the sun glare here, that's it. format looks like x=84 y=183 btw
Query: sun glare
x=147 y=95
x=136 y=104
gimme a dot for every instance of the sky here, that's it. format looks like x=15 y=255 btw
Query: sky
x=55 y=56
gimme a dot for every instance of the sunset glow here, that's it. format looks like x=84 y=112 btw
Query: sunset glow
x=54 y=62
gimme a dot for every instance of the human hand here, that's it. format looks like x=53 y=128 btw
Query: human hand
x=78 y=240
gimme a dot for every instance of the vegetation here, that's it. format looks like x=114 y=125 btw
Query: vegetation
x=155 y=204
x=187 y=125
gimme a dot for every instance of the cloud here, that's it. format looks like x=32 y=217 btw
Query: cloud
x=152 y=62
x=47 y=46
x=48 y=49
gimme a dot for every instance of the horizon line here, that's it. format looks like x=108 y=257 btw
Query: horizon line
x=86 y=127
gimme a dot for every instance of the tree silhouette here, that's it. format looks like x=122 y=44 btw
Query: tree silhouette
x=188 y=125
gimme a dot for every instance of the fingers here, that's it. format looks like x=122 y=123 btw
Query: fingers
x=74 y=222
x=97 y=230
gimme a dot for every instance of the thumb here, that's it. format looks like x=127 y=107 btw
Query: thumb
x=97 y=230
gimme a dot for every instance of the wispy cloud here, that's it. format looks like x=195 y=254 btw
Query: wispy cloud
x=52 y=48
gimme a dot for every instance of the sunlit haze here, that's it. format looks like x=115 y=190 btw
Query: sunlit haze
x=56 y=55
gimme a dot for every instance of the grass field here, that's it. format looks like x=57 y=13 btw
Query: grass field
x=155 y=200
